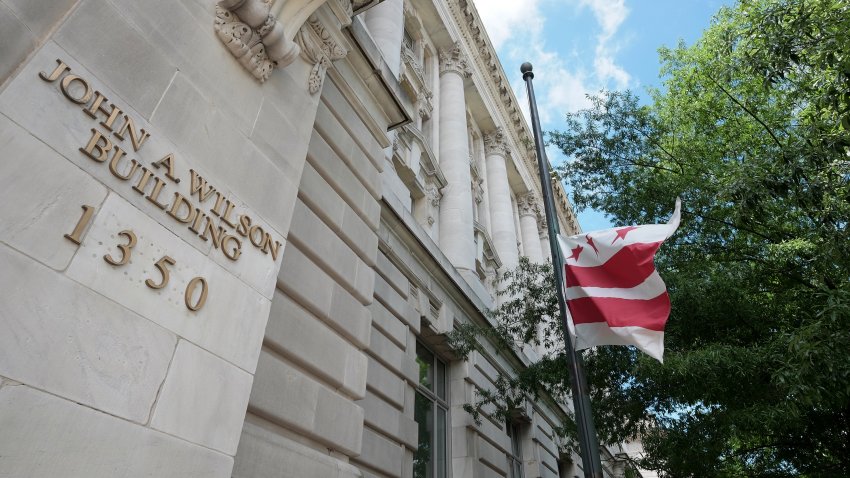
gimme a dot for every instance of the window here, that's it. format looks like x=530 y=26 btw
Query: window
x=430 y=413
x=515 y=453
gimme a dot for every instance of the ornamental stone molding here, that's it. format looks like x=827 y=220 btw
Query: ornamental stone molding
x=452 y=59
x=496 y=142
x=527 y=205
x=319 y=48
x=424 y=104
x=261 y=40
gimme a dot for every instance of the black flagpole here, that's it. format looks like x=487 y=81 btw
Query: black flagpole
x=588 y=442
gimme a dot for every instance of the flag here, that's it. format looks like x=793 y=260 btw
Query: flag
x=614 y=294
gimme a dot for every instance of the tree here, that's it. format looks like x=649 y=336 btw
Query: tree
x=750 y=129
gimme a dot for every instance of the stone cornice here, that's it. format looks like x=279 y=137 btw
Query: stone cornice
x=453 y=59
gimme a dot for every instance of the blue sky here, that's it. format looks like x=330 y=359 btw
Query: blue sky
x=581 y=46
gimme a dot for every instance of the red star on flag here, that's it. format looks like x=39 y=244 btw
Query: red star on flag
x=621 y=232
x=591 y=244
x=576 y=251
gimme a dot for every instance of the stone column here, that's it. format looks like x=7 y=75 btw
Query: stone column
x=502 y=228
x=528 y=214
x=456 y=230
x=385 y=22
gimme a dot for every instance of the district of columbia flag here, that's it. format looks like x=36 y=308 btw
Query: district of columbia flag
x=614 y=294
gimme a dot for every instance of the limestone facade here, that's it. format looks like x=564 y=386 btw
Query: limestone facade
x=234 y=235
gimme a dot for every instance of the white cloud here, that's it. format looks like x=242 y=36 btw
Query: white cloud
x=562 y=83
x=504 y=18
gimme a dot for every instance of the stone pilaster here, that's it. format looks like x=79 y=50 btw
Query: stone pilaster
x=385 y=22
x=456 y=225
x=529 y=211
x=502 y=228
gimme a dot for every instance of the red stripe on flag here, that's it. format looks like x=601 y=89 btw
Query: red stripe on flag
x=650 y=314
x=628 y=267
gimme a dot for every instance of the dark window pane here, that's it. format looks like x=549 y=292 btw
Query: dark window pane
x=440 y=379
x=440 y=463
x=423 y=414
x=425 y=359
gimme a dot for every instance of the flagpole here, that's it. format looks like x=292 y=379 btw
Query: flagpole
x=588 y=442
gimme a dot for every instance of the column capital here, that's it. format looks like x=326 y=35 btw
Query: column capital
x=453 y=59
x=527 y=205
x=496 y=142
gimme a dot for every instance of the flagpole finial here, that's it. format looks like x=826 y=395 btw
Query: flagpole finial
x=525 y=68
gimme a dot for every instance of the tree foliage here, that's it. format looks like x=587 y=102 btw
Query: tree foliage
x=751 y=128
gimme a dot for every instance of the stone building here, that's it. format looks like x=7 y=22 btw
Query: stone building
x=234 y=236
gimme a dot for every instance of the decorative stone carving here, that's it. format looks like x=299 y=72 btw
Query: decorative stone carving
x=318 y=48
x=495 y=142
x=424 y=105
x=453 y=59
x=253 y=36
x=432 y=192
x=527 y=205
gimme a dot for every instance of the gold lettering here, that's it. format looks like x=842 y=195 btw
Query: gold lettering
x=244 y=225
x=216 y=233
x=219 y=200
x=200 y=187
x=174 y=211
x=234 y=252
x=124 y=248
x=65 y=87
x=94 y=144
x=227 y=213
x=162 y=265
x=60 y=68
x=154 y=195
x=97 y=107
x=168 y=161
x=113 y=165
x=143 y=181
x=190 y=290
x=77 y=233
x=137 y=138
x=268 y=247
x=251 y=235
x=199 y=216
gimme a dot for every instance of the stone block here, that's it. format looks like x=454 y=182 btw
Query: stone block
x=45 y=436
x=17 y=41
x=316 y=239
x=389 y=324
x=70 y=341
x=40 y=16
x=97 y=35
x=231 y=322
x=380 y=453
x=492 y=456
x=341 y=108
x=181 y=110
x=291 y=398
x=203 y=399
x=380 y=415
x=349 y=151
x=41 y=194
x=385 y=383
x=328 y=163
x=262 y=452
x=392 y=356
x=315 y=290
x=396 y=304
x=303 y=338
x=393 y=275
x=282 y=138
x=338 y=215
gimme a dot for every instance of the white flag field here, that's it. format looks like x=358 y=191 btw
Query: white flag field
x=613 y=292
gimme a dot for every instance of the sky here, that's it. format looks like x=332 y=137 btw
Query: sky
x=578 y=47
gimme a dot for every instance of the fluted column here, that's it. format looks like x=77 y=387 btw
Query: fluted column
x=456 y=229
x=502 y=228
x=528 y=214
x=385 y=22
